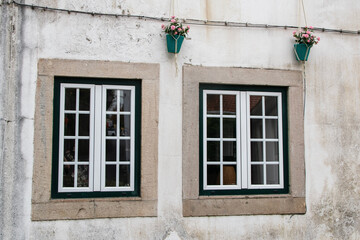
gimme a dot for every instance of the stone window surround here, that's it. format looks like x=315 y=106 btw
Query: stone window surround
x=45 y=208
x=195 y=205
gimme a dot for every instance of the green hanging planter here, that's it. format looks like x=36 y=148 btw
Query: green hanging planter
x=174 y=42
x=302 y=51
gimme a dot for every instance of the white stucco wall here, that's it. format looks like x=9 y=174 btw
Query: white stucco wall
x=332 y=126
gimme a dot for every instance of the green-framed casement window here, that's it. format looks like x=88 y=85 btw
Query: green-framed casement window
x=96 y=137
x=243 y=140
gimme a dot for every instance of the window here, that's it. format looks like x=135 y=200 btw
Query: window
x=242 y=140
x=233 y=160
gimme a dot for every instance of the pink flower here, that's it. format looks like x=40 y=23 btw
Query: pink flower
x=305 y=35
x=163 y=26
x=188 y=27
x=311 y=27
x=318 y=38
x=173 y=20
x=172 y=17
x=179 y=29
x=294 y=32
x=175 y=33
x=308 y=40
x=172 y=27
x=308 y=32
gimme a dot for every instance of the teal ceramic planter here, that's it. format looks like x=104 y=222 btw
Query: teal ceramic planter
x=174 y=42
x=302 y=51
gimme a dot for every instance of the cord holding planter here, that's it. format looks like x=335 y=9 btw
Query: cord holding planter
x=175 y=34
x=305 y=39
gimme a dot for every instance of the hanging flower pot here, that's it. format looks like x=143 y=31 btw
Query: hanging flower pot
x=304 y=39
x=302 y=51
x=175 y=34
x=174 y=43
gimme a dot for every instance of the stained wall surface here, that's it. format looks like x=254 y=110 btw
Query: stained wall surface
x=332 y=98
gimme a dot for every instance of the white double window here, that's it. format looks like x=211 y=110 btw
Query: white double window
x=96 y=138
x=242 y=140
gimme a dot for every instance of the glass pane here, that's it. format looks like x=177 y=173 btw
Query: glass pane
x=272 y=151
x=110 y=150
x=83 y=150
x=70 y=99
x=84 y=98
x=68 y=176
x=229 y=151
x=125 y=150
x=229 y=175
x=84 y=123
x=256 y=128
x=124 y=176
x=213 y=104
x=256 y=105
x=272 y=174
x=83 y=176
x=124 y=125
x=111 y=124
x=110 y=176
x=69 y=125
x=257 y=174
x=213 y=175
x=271 y=128
x=213 y=127
x=213 y=151
x=69 y=150
x=256 y=151
x=125 y=100
x=271 y=108
x=229 y=104
x=111 y=100
x=229 y=128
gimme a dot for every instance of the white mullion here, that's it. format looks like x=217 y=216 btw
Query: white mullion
x=263 y=137
x=98 y=142
x=204 y=119
x=132 y=139
x=61 y=138
x=76 y=136
x=244 y=130
x=280 y=144
x=117 y=137
x=221 y=141
x=103 y=136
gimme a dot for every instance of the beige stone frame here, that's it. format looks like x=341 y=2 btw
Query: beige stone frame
x=45 y=208
x=195 y=205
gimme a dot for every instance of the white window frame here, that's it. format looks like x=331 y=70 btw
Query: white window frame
x=97 y=138
x=243 y=141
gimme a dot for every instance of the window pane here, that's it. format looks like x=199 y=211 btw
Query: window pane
x=272 y=151
x=213 y=151
x=213 y=104
x=125 y=125
x=271 y=128
x=124 y=176
x=229 y=151
x=256 y=128
x=84 y=122
x=111 y=124
x=124 y=150
x=84 y=104
x=256 y=105
x=70 y=99
x=69 y=125
x=125 y=100
x=83 y=176
x=229 y=127
x=256 y=151
x=229 y=175
x=110 y=176
x=257 y=174
x=111 y=100
x=213 y=127
x=229 y=104
x=272 y=174
x=68 y=176
x=271 y=106
x=110 y=150
x=69 y=150
x=83 y=150
x=213 y=175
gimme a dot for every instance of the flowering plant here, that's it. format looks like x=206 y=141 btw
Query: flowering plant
x=175 y=28
x=306 y=35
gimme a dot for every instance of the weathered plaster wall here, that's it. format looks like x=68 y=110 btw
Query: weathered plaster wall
x=332 y=126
